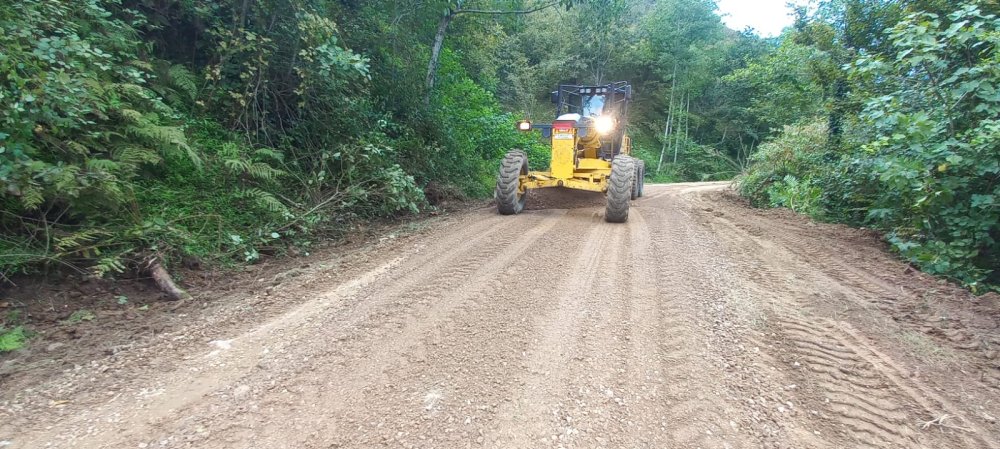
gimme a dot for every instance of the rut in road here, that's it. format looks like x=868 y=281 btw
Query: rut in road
x=697 y=324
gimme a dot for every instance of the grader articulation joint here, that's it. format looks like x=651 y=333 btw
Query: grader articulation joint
x=591 y=151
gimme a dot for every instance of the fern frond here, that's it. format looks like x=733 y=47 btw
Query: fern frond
x=166 y=139
x=78 y=240
x=269 y=153
x=229 y=150
x=31 y=197
x=263 y=172
x=132 y=91
x=105 y=265
x=144 y=65
x=131 y=116
x=135 y=155
x=103 y=165
x=264 y=200
x=237 y=165
x=64 y=179
x=78 y=147
x=183 y=80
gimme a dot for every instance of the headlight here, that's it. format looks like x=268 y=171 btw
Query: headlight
x=604 y=125
x=524 y=125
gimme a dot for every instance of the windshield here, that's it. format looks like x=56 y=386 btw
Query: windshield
x=593 y=106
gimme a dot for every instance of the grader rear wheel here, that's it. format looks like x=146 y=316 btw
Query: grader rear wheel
x=510 y=199
x=620 y=189
x=636 y=180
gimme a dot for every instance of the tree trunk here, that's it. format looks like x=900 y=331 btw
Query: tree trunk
x=677 y=145
x=687 y=123
x=670 y=119
x=432 y=66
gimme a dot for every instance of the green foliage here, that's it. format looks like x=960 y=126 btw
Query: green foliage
x=229 y=130
x=12 y=339
x=934 y=125
x=781 y=169
x=475 y=132
x=116 y=147
x=781 y=88
x=80 y=316
x=920 y=162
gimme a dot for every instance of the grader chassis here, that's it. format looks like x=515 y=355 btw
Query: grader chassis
x=591 y=151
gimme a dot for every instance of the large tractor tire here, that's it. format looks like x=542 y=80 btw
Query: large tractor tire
x=510 y=200
x=637 y=180
x=620 y=189
x=641 y=180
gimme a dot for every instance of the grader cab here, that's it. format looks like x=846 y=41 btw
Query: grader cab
x=591 y=151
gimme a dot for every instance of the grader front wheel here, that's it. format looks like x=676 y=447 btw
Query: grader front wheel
x=510 y=199
x=620 y=189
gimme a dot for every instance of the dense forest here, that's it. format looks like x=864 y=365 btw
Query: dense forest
x=136 y=134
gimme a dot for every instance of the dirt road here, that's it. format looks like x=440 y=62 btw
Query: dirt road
x=698 y=324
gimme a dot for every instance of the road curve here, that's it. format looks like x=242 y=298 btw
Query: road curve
x=700 y=323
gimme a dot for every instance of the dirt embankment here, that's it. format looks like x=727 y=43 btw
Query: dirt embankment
x=699 y=323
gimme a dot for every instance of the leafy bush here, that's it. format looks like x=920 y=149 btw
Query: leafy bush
x=934 y=122
x=109 y=156
x=928 y=173
x=782 y=169
x=475 y=132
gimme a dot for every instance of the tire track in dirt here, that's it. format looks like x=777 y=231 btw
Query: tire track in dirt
x=283 y=337
x=709 y=336
x=455 y=234
x=365 y=352
x=866 y=278
x=688 y=423
x=531 y=418
x=659 y=384
x=843 y=380
x=868 y=396
x=685 y=328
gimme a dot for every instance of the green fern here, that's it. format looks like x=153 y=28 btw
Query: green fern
x=32 y=197
x=264 y=200
x=107 y=265
x=134 y=156
x=166 y=139
x=78 y=241
x=182 y=80
x=238 y=166
x=263 y=172
x=77 y=147
x=131 y=116
x=103 y=165
x=268 y=153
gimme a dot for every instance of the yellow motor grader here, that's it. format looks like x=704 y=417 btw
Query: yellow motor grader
x=590 y=151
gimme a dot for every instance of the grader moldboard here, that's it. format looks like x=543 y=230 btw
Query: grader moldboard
x=590 y=151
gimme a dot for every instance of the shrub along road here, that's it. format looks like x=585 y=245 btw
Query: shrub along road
x=699 y=323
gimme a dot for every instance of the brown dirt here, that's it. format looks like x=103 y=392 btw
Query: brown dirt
x=700 y=323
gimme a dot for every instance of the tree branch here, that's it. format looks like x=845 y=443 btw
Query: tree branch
x=499 y=12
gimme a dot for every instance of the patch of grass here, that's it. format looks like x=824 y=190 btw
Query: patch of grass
x=926 y=348
x=80 y=316
x=12 y=339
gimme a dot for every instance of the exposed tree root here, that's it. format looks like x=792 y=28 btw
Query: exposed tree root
x=166 y=282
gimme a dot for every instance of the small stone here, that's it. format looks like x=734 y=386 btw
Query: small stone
x=54 y=346
x=241 y=391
